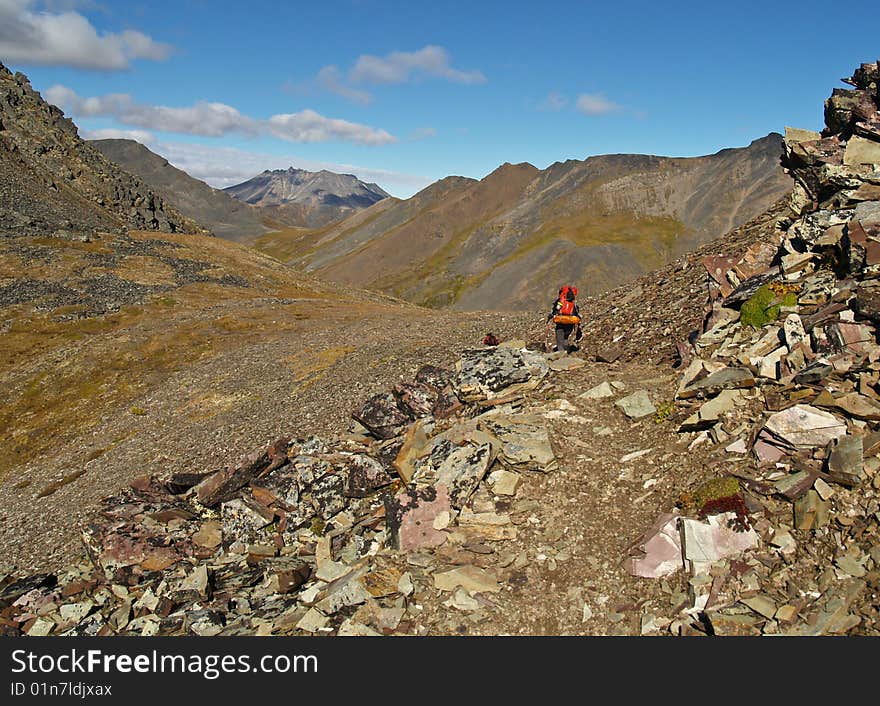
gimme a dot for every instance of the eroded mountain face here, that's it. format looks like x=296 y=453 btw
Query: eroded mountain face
x=52 y=180
x=495 y=243
x=309 y=199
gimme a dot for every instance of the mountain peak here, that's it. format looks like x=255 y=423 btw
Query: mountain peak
x=323 y=196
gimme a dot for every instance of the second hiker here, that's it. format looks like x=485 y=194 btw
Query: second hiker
x=567 y=317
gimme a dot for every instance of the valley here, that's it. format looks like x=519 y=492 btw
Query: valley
x=219 y=422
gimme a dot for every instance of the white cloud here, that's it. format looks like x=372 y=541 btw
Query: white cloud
x=202 y=118
x=67 y=38
x=554 y=102
x=397 y=67
x=595 y=104
x=400 y=67
x=226 y=166
x=216 y=119
x=309 y=126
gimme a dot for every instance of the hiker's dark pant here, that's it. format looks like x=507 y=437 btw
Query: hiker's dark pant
x=563 y=336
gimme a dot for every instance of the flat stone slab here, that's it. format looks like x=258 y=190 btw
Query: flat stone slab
x=867 y=212
x=712 y=411
x=859 y=406
x=608 y=354
x=504 y=482
x=725 y=379
x=810 y=512
x=847 y=457
x=861 y=152
x=471 y=578
x=524 y=441
x=637 y=405
x=804 y=427
x=568 y=362
x=658 y=552
x=762 y=605
x=410 y=517
x=713 y=540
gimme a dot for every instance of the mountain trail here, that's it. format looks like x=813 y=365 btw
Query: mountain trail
x=562 y=575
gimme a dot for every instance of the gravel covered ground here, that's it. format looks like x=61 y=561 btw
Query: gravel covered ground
x=188 y=371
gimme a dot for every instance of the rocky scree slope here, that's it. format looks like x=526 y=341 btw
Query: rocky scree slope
x=225 y=216
x=52 y=180
x=495 y=243
x=125 y=353
x=779 y=382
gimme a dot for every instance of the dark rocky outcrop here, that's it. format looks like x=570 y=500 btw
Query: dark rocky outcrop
x=51 y=180
x=225 y=216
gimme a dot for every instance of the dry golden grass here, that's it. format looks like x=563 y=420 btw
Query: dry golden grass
x=310 y=366
x=59 y=376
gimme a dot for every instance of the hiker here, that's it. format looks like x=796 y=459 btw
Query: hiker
x=490 y=339
x=567 y=317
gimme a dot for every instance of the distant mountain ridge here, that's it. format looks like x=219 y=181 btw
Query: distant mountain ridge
x=505 y=241
x=316 y=199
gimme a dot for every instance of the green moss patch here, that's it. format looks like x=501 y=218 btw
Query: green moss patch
x=761 y=308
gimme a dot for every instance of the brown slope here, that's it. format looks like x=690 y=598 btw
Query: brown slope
x=507 y=241
x=51 y=179
x=611 y=218
x=422 y=246
x=419 y=234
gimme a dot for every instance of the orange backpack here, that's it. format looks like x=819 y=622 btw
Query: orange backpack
x=566 y=315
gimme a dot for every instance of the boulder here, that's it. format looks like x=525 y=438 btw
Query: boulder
x=485 y=373
x=433 y=376
x=365 y=475
x=415 y=401
x=523 y=440
x=459 y=469
x=222 y=484
x=381 y=415
x=637 y=405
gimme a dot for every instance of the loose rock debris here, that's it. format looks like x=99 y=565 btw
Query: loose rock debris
x=808 y=391
x=308 y=535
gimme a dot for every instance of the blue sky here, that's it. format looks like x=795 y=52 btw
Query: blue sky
x=404 y=93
